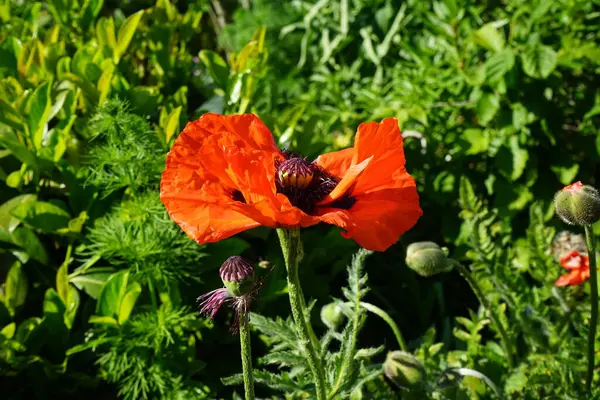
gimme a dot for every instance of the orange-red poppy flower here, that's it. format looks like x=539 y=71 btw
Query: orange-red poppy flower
x=578 y=266
x=225 y=175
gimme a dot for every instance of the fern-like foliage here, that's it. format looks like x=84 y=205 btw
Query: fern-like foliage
x=539 y=241
x=125 y=152
x=144 y=359
x=139 y=234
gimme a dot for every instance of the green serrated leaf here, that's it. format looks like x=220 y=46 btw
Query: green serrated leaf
x=487 y=108
x=15 y=288
x=499 y=64
x=489 y=37
x=538 y=60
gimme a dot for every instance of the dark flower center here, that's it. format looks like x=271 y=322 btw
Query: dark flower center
x=305 y=184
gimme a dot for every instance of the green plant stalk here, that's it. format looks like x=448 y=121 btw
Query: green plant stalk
x=246 y=359
x=486 y=305
x=386 y=317
x=590 y=241
x=292 y=253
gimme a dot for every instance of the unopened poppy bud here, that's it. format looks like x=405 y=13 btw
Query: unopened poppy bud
x=427 y=259
x=237 y=275
x=578 y=204
x=404 y=369
x=296 y=172
x=332 y=315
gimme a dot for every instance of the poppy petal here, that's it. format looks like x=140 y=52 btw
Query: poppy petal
x=376 y=139
x=376 y=220
x=337 y=162
x=572 y=278
x=349 y=179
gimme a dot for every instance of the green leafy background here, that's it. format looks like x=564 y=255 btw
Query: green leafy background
x=499 y=105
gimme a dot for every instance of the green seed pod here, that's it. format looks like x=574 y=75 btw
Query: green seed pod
x=237 y=275
x=404 y=369
x=332 y=316
x=427 y=259
x=578 y=204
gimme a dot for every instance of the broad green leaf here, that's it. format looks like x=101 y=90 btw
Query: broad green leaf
x=172 y=125
x=92 y=280
x=42 y=216
x=53 y=305
x=25 y=238
x=9 y=330
x=58 y=103
x=15 y=288
x=489 y=37
x=55 y=331
x=91 y=9
x=538 y=61
x=144 y=99
x=566 y=175
x=26 y=328
x=217 y=68
x=40 y=106
x=487 y=107
x=7 y=220
x=10 y=116
x=105 y=32
x=89 y=90
x=128 y=302
x=76 y=224
x=499 y=64
x=112 y=294
x=95 y=319
x=126 y=31
x=512 y=159
x=104 y=83
x=62 y=282
x=9 y=141
x=479 y=140
x=71 y=306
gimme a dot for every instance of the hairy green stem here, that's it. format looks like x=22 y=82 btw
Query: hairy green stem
x=492 y=313
x=590 y=240
x=386 y=317
x=292 y=253
x=246 y=360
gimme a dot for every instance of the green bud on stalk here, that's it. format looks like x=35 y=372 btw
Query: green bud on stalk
x=237 y=275
x=332 y=315
x=427 y=259
x=578 y=204
x=404 y=369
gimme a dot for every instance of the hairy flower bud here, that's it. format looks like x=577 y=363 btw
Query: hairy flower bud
x=404 y=369
x=332 y=315
x=427 y=259
x=237 y=275
x=578 y=204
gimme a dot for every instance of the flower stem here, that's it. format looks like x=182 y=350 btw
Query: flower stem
x=590 y=240
x=246 y=360
x=292 y=253
x=386 y=317
x=486 y=305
